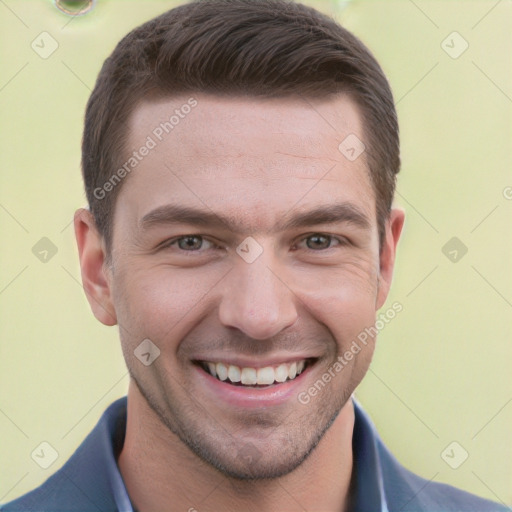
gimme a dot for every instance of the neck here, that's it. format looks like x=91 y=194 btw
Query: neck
x=161 y=473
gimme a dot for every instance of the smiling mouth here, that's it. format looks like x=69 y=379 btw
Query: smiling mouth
x=255 y=377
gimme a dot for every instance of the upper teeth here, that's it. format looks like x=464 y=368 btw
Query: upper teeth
x=253 y=376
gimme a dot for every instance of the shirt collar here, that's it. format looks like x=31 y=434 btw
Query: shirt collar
x=115 y=417
x=369 y=492
x=369 y=495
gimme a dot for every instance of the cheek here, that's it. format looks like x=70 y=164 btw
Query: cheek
x=343 y=298
x=161 y=303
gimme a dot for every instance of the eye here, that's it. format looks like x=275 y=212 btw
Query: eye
x=189 y=243
x=319 y=241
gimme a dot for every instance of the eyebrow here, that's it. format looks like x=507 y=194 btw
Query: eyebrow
x=337 y=213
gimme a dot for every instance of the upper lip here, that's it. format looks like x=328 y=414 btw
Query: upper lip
x=246 y=362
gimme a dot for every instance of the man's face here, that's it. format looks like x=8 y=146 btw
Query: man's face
x=246 y=243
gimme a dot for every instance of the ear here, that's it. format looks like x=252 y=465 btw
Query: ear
x=95 y=279
x=394 y=225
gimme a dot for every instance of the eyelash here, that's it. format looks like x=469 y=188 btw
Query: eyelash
x=342 y=241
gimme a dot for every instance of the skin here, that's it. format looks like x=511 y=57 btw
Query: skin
x=256 y=162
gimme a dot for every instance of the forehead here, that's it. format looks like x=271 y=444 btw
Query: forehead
x=252 y=158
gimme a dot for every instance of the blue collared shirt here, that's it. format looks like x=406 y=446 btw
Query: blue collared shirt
x=90 y=480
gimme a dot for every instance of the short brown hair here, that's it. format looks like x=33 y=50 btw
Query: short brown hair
x=261 y=48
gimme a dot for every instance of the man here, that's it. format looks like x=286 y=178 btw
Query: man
x=239 y=159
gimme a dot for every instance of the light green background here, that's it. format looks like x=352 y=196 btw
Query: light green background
x=442 y=369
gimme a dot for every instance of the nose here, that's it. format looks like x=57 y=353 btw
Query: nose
x=256 y=300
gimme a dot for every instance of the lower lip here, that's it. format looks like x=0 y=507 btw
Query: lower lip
x=248 y=397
